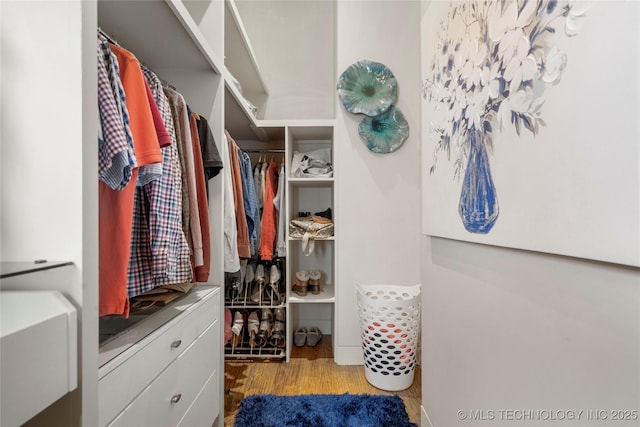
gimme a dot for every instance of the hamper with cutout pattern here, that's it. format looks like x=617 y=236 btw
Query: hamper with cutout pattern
x=390 y=326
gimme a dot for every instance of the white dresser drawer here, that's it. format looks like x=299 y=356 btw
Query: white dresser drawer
x=127 y=375
x=206 y=407
x=168 y=397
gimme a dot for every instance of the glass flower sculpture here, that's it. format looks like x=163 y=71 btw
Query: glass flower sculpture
x=384 y=133
x=367 y=87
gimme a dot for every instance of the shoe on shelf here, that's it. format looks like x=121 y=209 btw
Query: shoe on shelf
x=248 y=281
x=271 y=291
x=265 y=327
x=238 y=325
x=314 y=335
x=314 y=282
x=300 y=336
x=253 y=327
x=228 y=318
x=278 y=336
x=300 y=283
x=256 y=292
x=325 y=213
x=234 y=288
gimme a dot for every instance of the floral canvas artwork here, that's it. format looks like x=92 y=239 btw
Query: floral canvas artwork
x=510 y=72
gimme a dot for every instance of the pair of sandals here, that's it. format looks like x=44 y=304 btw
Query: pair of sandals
x=311 y=336
x=271 y=329
x=263 y=292
x=307 y=281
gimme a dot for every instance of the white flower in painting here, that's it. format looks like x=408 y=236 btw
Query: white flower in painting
x=577 y=11
x=522 y=67
x=553 y=65
x=494 y=60
x=476 y=108
x=506 y=25
x=490 y=78
x=472 y=68
x=519 y=102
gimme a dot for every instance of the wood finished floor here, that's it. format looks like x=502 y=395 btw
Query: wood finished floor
x=310 y=371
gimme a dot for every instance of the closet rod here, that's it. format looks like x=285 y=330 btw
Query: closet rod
x=107 y=36
x=265 y=150
x=114 y=41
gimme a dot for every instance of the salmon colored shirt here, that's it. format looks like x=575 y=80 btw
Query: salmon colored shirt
x=202 y=271
x=116 y=207
x=269 y=214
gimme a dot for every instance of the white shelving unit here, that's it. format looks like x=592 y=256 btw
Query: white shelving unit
x=311 y=195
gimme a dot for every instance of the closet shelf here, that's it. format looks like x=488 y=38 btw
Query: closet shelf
x=170 y=40
x=328 y=295
x=311 y=182
x=317 y=239
x=10 y=269
x=240 y=59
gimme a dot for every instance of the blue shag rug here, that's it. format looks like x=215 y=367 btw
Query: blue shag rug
x=322 y=410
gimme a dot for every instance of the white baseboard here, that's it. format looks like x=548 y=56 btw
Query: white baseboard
x=424 y=418
x=351 y=355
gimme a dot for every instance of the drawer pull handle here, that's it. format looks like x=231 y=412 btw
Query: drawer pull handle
x=176 y=343
x=176 y=398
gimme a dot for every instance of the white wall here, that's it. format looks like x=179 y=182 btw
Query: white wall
x=546 y=335
x=378 y=205
x=509 y=329
x=294 y=45
x=41 y=128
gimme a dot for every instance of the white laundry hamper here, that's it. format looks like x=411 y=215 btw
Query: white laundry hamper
x=390 y=325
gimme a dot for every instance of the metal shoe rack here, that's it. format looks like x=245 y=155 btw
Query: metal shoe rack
x=263 y=297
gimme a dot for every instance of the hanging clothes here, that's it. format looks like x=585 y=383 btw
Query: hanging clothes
x=159 y=250
x=211 y=159
x=201 y=271
x=182 y=122
x=269 y=217
x=116 y=207
x=244 y=250
x=250 y=201
x=231 y=257
x=279 y=204
x=116 y=157
x=260 y=203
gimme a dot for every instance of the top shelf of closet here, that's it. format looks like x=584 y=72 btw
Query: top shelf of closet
x=162 y=34
x=177 y=34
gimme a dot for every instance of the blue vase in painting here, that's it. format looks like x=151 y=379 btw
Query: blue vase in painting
x=478 y=205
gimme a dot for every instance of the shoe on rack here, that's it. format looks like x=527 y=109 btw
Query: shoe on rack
x=265 y=327
x=314 y=282
x=248 y=282
x=278 y=336
x=253 y=327
x=271 y=291
x=325 y=213
x=300 y=283
x=314 y=335
x=258 y=284
x=228 y=318
x=238 y=325
x=234 y=286
x=300 y=336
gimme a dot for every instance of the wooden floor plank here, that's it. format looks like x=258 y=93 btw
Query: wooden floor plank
x=310 y=371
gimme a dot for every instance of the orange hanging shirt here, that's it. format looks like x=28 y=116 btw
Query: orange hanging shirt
x=116 y=207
